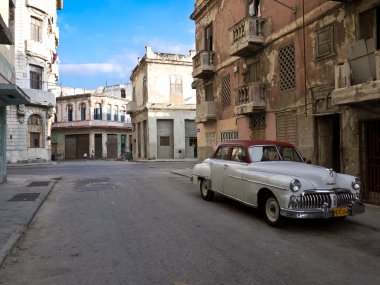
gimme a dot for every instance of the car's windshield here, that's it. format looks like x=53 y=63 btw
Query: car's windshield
x=273 y=153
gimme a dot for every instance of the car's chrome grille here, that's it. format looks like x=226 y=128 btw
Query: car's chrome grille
x=316 y=200
x=344 y=199
x=313 y=200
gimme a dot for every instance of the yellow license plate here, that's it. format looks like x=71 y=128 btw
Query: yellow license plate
x=340 y=212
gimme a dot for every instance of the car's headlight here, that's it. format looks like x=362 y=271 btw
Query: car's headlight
x=356 y=184
x=295 y=185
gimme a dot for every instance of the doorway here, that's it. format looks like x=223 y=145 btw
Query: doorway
x=328 y=128
x=371 y=175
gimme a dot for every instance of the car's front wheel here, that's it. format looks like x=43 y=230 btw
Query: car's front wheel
x=272 y=212
x=206 y=193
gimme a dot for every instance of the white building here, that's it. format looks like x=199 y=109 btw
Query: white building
x=10 y=93
x=94 y=122
x=36 y=69
x=163 y=107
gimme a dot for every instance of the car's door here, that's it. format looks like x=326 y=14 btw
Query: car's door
x=233 y=173
x=217 y=165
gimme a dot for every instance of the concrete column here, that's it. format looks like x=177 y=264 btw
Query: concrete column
x=3 y=160
x=91 y=141
x=104 y=144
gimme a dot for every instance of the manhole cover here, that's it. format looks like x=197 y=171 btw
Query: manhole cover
x=39 y=183
x=24 y=197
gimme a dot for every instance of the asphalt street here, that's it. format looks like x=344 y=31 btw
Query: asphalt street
x=137 y=223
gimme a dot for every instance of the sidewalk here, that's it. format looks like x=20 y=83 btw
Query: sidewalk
x=20 y=199
x=370 y=218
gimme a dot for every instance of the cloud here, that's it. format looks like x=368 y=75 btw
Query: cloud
x=84 y=69
x=69 y=28
x=170 y=47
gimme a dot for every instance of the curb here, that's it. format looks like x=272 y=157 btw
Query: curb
x=180 y=174
x=15 y=237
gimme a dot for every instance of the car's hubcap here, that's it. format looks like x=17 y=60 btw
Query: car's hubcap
x=272 y=209
x=204 y=189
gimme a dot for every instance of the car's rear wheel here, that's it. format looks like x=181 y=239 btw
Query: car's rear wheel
x=206 y=193
x=272 y=212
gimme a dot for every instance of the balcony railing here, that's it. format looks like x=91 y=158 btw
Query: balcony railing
x=250 y=98
x=247 y=36
x=203 y=64
x=206 y=111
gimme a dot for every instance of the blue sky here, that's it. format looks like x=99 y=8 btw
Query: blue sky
x=100 y=40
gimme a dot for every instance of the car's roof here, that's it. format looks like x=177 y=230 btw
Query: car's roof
x=248 y=143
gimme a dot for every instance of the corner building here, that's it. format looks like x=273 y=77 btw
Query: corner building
x=92 y=123
x=163 y=107
x=10 y=93
x=36 y=70
x=306 y=73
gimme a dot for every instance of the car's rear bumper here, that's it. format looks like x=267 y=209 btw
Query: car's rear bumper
x=324 y=212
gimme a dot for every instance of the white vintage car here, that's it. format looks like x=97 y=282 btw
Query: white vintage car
x=273 y=177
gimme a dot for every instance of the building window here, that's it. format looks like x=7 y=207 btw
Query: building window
x=325 y=42
x=210 y=138
x=122 y=114
x=193 y=141
x=257 y=121
x=34 y=140
x=35 y=77
x=209 y=91
x=165 y=141
x=115 y=114
x=70 y=113
x=287 y=68
x=226 y=91
x=109 y=111
x=82 y=111
x=228 y=135
x=209 y=38
x=35 y=130
x=145 y=90
x=36 y=29
x=122 y=93
x=287 y=127
x=254 y=72
x=370 y=25
x=175 y=84
x=98 y=112
x=35 y=120
x=254 y=8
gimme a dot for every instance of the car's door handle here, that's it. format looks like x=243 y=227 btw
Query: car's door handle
x=226 y=165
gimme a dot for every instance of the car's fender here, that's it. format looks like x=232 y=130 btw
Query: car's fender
x=201 y=171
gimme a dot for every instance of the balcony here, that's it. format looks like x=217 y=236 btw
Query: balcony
x=206 y=111
x=37 y=49
x=247 y=36
x=349 y=91
x=131 y=107
x=250 y=98
x=203 y=64
x=92 y=124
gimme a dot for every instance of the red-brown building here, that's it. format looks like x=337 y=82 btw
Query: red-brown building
x=306 y=72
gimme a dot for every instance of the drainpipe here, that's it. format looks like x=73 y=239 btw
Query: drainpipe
x=304 y=54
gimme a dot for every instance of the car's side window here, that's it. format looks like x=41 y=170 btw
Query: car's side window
x=222 y=153
x=263 y=153
x=238 y=154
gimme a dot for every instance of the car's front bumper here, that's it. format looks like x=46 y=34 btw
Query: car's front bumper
x=324 y=212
